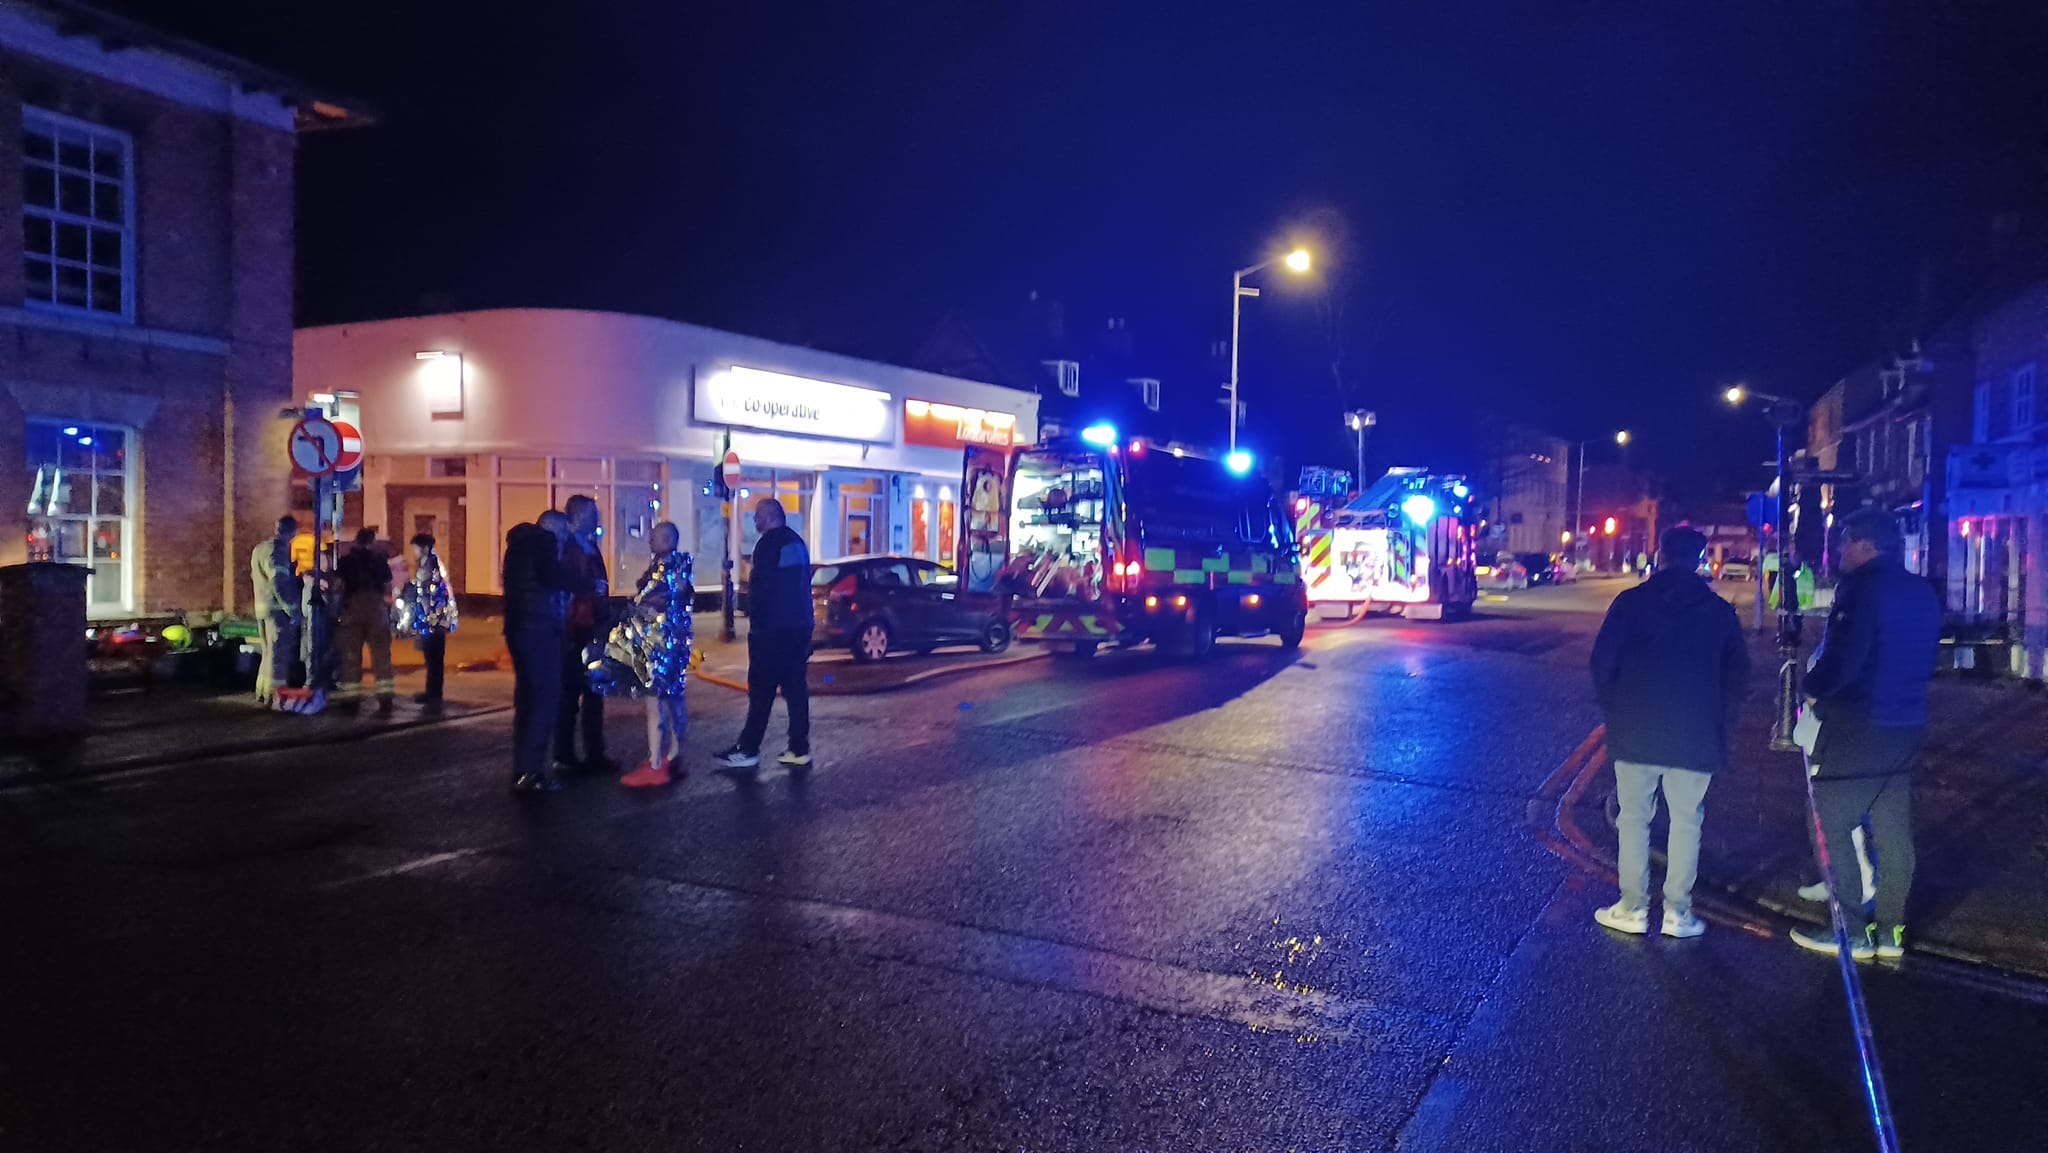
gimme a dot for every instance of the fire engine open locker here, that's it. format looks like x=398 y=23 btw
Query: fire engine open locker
x=1101 y=540
x=1406 y=544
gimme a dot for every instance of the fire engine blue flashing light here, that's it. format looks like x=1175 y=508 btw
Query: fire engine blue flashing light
x=1238 y=461
x=1419 y=508
x=1099 y=434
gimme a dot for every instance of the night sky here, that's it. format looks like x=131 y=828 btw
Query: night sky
x=1588 y=215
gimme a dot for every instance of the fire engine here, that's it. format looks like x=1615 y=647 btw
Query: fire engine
x=1104 y=540
x=1406 y=544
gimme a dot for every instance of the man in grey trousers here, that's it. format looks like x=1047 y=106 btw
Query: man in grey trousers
x=1668 y=667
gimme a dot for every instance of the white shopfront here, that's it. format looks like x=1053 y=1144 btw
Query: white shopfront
x=475 y=422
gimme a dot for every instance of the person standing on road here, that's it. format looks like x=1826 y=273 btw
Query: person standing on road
x=278 y=589
x=1669 y=665
x=589 y=586
x=1868 y=688
x=648 y=655
x=365 y=578
x=427 y=611
x=536 y=613
x=779 y=623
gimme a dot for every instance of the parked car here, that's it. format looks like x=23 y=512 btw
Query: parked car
x=876 y=605
x=1542 y=569
x=1505 y=572
x=1737 y=569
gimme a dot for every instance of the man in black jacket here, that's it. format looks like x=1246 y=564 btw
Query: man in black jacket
x=779 y=623
x=589 y=588
x=1868 y=687
x=1669 y=666
x=536 y=612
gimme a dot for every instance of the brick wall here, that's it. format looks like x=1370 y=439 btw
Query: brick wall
x=210 y=348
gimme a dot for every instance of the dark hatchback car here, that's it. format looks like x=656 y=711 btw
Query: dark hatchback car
x=876 y=605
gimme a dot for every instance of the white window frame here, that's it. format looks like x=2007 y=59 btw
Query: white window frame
x=1067 y=373
x=130 y=569
x=1148 y=391
x=1980 y=413
x=56 y=125
x=2023 y=407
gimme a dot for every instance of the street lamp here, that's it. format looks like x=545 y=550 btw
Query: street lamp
x=1296 y=261
x=1783 y=413
x=1579 y=514
x=1358 y=420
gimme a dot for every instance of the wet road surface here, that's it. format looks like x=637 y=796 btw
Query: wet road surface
x=1281 y=901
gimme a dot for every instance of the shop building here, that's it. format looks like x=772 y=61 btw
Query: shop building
x=474 y=422
x=146 y=188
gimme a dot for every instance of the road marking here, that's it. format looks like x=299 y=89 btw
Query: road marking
x=398 y=870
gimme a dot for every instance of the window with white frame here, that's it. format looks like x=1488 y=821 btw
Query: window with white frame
x=80 y=491
x=1980 y=412
x=77 y=216
x=1148 y=391
x=1067 y=375
x=2023 y=399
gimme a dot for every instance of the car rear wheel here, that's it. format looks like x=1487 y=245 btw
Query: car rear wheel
x=871 y=643
x=996 y=637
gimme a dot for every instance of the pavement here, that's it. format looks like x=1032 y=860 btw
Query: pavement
x=1312 y=901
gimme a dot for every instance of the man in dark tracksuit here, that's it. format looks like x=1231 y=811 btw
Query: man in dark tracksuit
x=1868 y=687
x=779 y=623
x=589 y=586
x=536 y=610
x=1669 y=666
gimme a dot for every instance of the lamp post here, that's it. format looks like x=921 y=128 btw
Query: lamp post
x=1296 y=261
x=1783 y=413
x=1358 y=420
x=1579 y=514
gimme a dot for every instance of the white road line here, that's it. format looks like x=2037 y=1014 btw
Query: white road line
x=397 y=870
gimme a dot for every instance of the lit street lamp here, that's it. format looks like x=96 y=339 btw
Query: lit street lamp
x=1358 y=420
x=1296 y=261
x=1783 y=413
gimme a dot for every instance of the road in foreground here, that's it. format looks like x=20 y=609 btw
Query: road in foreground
x=1280 y=901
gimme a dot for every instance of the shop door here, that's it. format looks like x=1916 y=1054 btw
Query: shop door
x=436 y=512
x=863 y=516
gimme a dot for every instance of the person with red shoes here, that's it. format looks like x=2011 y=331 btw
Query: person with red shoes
x=647 y=655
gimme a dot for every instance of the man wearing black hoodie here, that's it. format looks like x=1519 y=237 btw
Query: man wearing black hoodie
x=779 y=623
x=1668 y=667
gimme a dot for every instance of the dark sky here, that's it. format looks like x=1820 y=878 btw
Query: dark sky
x=1587 y=214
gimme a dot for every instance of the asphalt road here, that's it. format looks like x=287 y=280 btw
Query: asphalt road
x=1281 y=901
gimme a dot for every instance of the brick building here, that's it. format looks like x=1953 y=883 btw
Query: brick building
x=145 y=305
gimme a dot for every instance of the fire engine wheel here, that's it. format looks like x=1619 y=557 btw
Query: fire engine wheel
x=1201 y=636
x=1291 y=632
x=996 y=637
x=871 y=643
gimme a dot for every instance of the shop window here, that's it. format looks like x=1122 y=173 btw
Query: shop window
x=580 y=468
x=77 y=216
x=80 y=491
x=523 y=467
x=949 y=526
x=920 y=525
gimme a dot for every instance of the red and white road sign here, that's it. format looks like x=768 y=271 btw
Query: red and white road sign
x=315 y=443
x=732 y=468
x=351 y=452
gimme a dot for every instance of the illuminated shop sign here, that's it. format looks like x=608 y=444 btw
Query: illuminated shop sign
x=755 y=398
x=950 y=425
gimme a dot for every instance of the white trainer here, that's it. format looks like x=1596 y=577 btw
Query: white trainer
x=1683 y=926
x=1623 y=919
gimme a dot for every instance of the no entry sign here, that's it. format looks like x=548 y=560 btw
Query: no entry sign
x=731 y=468
x=350 y=454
